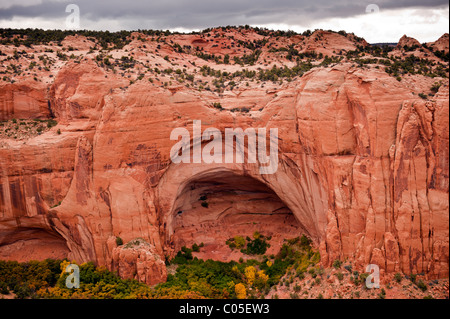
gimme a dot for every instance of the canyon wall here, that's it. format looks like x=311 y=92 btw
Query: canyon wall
x=363 y=171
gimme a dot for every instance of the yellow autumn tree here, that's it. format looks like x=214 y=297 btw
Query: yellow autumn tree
x=261 y=280
x=263 y=276
x=235 y=269
x=241 y=292
x=250 y=274
x=63 y=266
x=239 y=241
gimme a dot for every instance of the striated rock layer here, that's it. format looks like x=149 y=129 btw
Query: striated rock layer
x=363 y=170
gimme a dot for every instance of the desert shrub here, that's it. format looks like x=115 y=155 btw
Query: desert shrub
x=240 y=241
x=256 y=246
x=337 y=264
x=294 y=295
x=23 y=290
x=184 y=255
x=422 y=286
x=119 y=241
x=362 y=278
x=382 y=294
x=435 y=87
x=305 y=242
x=398 y=277
x=312 y=272
x=218 y=106
x=4 y=288
x=423 y=96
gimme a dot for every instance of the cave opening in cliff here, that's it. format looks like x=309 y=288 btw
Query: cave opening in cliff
x=215 y=206
x=32 y=243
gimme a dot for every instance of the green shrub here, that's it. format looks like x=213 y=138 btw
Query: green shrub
x=4 y=288
x=218 y=106
x=422 y=286
x=435 y=87
x=22 y=291
x=362 y=278
x=51 y=123
x=240 y=241
x=257 y=246
x=119 y=241
x=398 y=277
x=183 y=256
x=294 y=295
x=382 y=294
x=337 y=264
x=305 y=241
x=423 y=96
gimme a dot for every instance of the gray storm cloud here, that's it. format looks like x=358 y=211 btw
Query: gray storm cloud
x=198 y=14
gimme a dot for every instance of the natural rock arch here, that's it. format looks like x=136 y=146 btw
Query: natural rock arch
x=297 y=193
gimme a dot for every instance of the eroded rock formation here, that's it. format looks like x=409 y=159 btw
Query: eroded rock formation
x=363 y=168
x=139 y=260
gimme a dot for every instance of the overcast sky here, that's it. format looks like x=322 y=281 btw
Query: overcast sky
x=425 y=20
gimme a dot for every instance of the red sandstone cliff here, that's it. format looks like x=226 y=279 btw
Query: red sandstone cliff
x=363 y=165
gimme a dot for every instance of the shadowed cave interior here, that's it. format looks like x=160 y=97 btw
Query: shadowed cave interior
x=217 y=206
